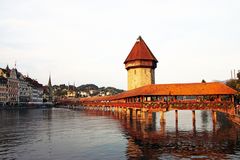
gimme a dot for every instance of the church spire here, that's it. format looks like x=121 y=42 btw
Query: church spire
x=7 y=68
x=50 y=89
x=49 y=81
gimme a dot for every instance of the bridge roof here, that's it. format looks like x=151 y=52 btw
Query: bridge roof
x=140 y=51
x=182 y=89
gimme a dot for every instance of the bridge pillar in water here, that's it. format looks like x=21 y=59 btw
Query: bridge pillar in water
x=194 y=121
x=149 y=115
x=162 y=128
x=214 y=120
x=143 y=115
x=162 y=117
x=128 y=112
x=124 y=110
x=176 y=120
x=134 y=113
x=138 y=113
x=214 y=116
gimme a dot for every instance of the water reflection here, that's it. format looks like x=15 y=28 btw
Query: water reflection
x=66 y=134
x=152 y=139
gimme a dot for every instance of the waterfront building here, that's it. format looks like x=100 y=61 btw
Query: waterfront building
x=35 y=90
x=13 y=86
x=3 y=72
x=24 y=93
x=37 y=94
x=45 y=94
x=3 y=91
x=140 y=65
x=83 y=94
x=71 y=93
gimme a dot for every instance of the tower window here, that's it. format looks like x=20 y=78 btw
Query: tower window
x=135 y=71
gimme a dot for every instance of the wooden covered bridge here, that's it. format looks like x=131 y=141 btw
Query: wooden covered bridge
x=161 y=98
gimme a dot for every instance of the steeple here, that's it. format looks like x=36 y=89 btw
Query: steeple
x=7 y=68
x=50 y=89
x=49 y=81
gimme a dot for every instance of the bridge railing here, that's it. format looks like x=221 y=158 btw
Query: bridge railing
x=170 y=105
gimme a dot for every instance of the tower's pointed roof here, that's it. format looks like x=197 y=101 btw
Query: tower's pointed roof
x=140 y=51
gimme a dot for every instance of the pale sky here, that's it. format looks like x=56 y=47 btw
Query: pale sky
x=87 y=41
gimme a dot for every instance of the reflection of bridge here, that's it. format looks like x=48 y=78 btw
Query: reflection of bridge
x=147 y=141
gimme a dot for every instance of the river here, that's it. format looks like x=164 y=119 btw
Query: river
x=62 y=134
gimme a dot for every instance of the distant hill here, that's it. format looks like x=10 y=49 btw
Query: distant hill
x=85 y=90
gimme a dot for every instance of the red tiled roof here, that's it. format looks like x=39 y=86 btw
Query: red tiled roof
x=140 y=51
x=184 y=89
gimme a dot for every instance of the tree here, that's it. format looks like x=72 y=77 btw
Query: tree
x=232 y=83
x=238 y=75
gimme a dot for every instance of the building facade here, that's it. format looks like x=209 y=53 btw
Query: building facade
x=24 y=92
x=140 y=65
x=3 y=91
x=13 y=87
x=35 y=90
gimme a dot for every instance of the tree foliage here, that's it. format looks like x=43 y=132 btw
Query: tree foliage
x=238 y=75
x=233 y=83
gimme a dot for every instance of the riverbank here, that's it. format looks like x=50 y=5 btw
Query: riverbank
x=27 y=106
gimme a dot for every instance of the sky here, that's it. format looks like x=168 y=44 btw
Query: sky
x=87 y=41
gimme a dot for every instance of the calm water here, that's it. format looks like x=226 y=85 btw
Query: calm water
x=62 y=134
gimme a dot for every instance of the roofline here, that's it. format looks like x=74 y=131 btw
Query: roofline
x=139 y=60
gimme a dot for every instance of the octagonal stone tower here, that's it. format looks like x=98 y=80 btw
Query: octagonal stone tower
x=140 y=64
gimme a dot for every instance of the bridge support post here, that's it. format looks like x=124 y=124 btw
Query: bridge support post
x=176 y=120
x=149 y=117
x=143 y=115
x=194 y=121
x=138 y=113
x=162 y=117
x=128 y=112
x=162 y=128
x=134 y=113
x=214 y=120
x=176 y=115
x=214 y=116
